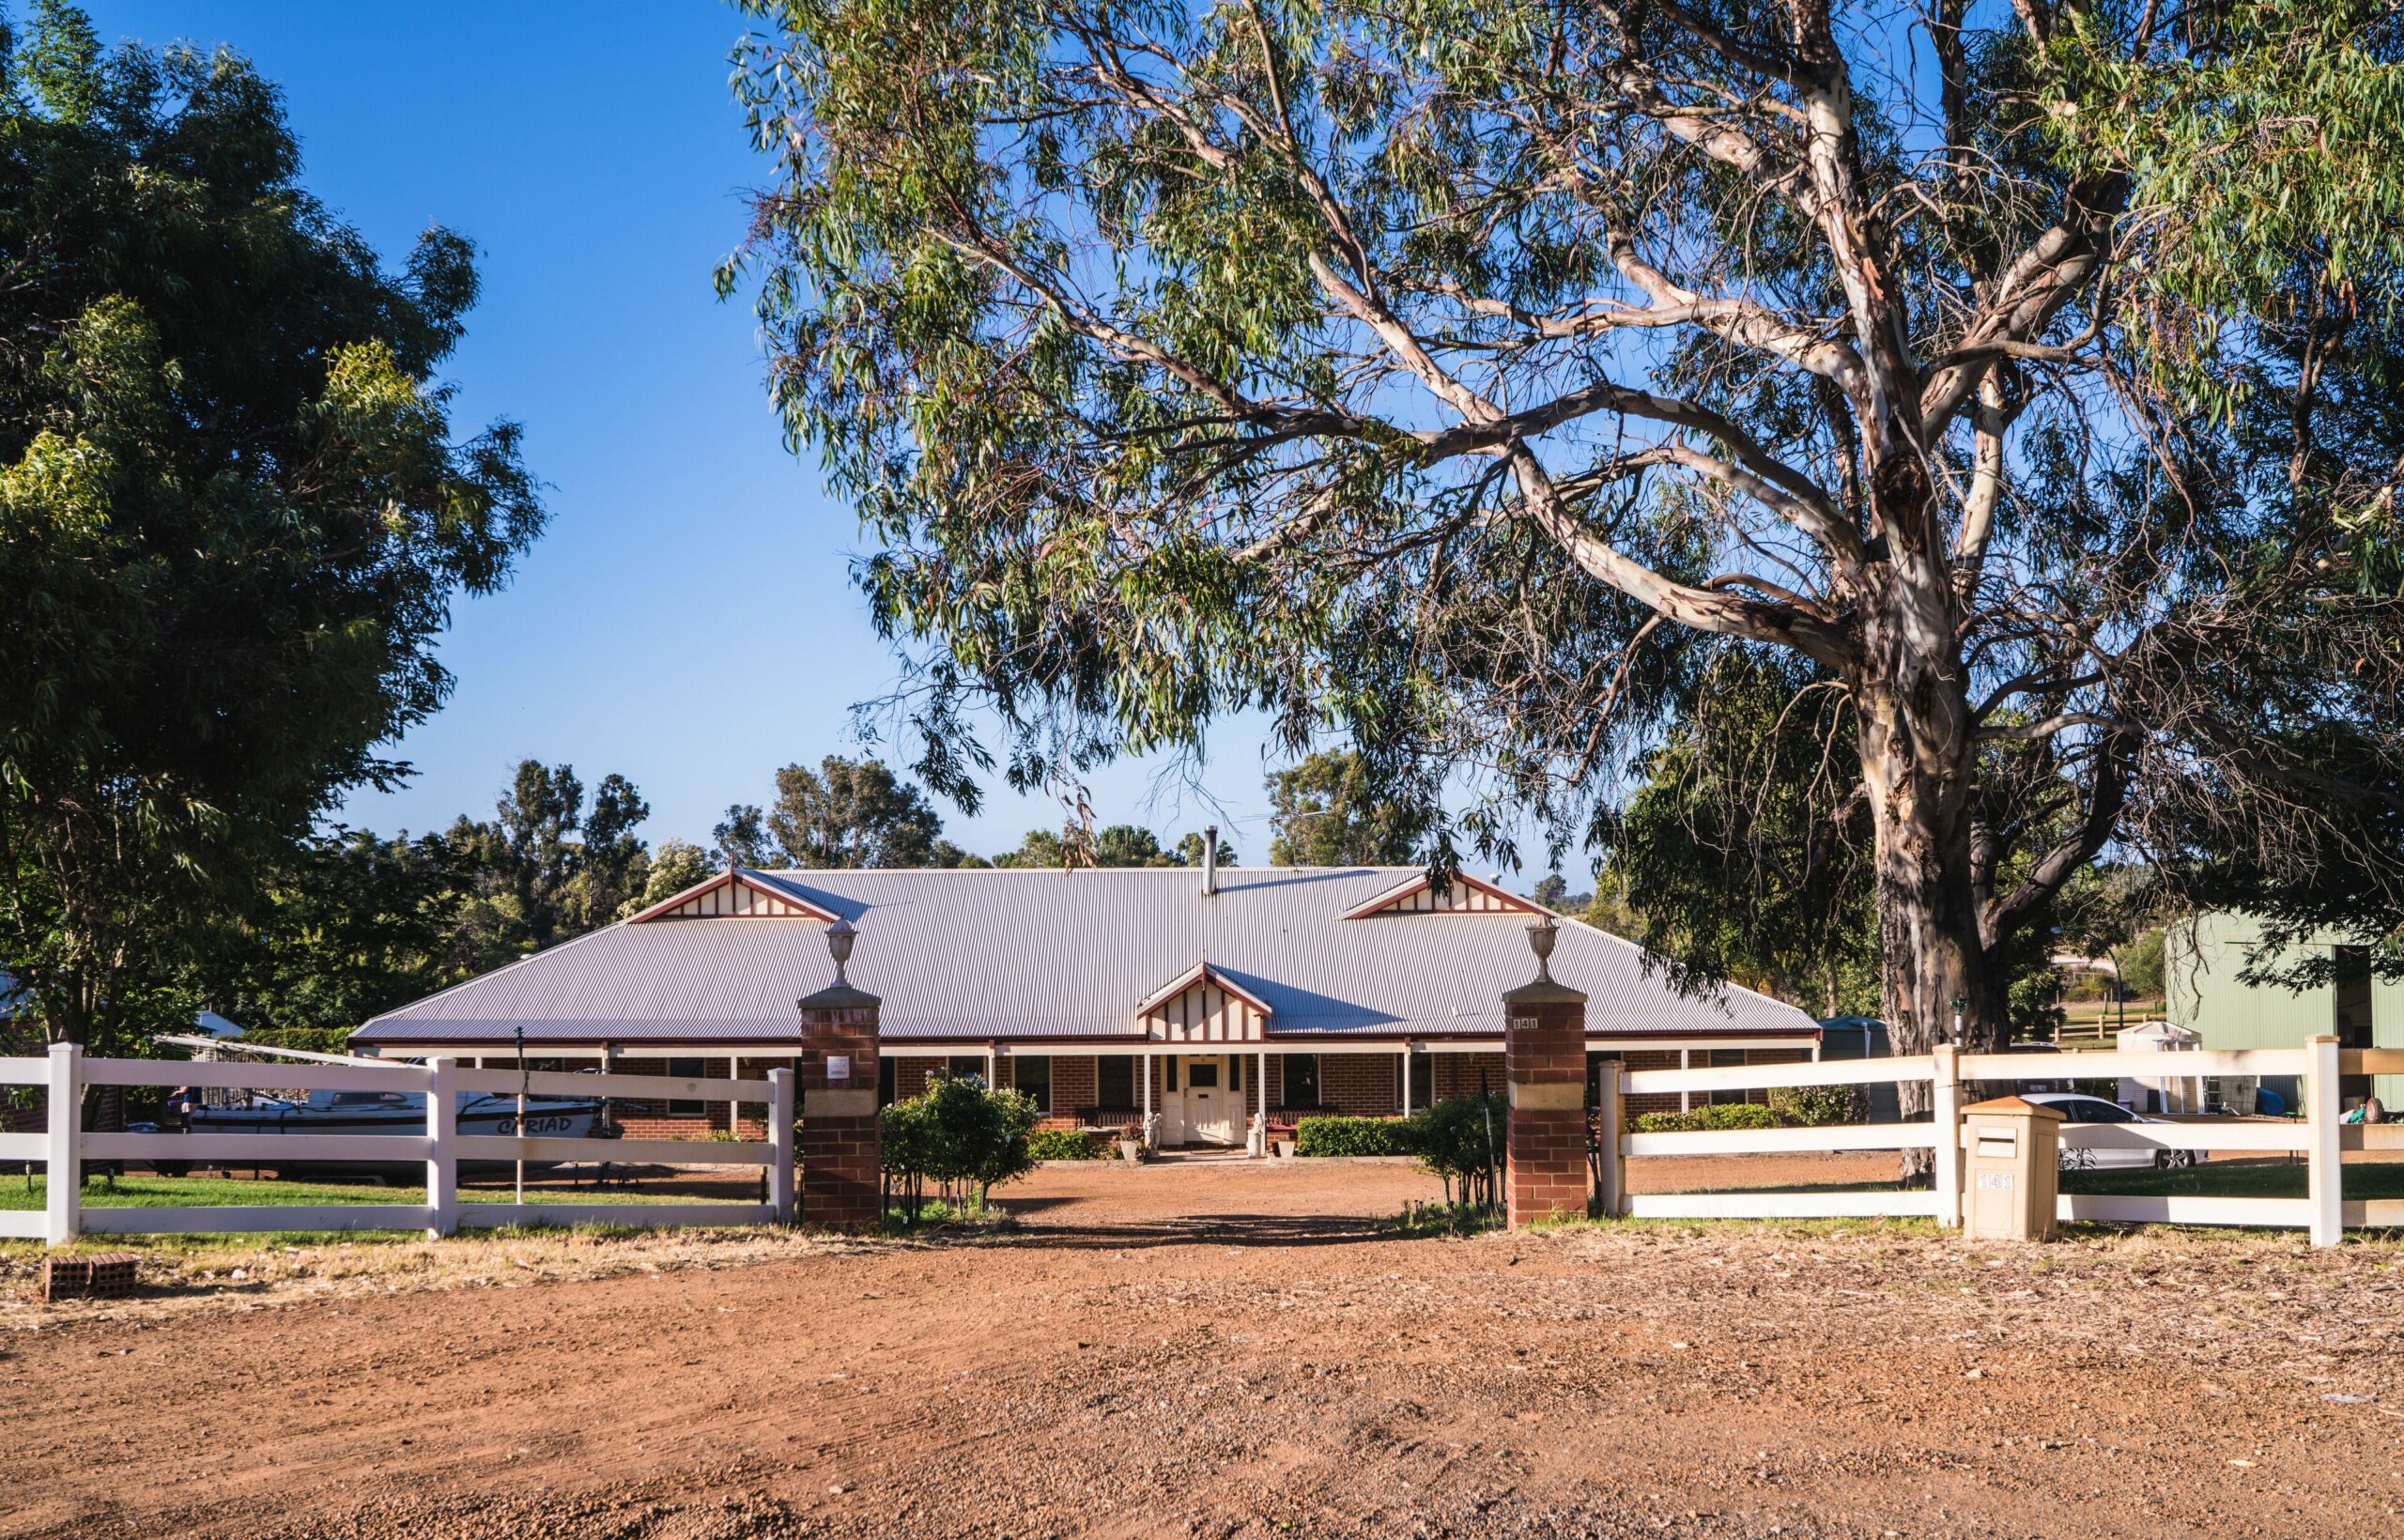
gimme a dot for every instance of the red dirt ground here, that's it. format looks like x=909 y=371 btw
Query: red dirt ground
x=1234 y=1350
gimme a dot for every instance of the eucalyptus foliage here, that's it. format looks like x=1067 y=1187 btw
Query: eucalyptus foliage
x=1477 y=384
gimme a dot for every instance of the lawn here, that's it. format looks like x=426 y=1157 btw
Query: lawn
x=141 y=1192
x=2362 y=1181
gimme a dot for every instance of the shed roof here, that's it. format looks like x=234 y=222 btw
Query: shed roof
x=1025 y=955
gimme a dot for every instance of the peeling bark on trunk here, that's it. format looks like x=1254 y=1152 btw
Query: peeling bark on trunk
x=1917 y=741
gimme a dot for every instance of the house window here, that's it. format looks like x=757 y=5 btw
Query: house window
x=967 y=1067
x=1422 y=1080
x=1722 y=1058
x=886 y=1092
x=1033 y=1076
x=1203 y=1075
x=1301 y=1080
x=686 y=1068
x=1235 y=1071
x=1114 y=1080
x=1169 y=1073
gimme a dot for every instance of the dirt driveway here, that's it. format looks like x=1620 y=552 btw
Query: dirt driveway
x=1233 y=1351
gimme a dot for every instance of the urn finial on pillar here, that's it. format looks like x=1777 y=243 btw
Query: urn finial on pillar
x=1541 y=935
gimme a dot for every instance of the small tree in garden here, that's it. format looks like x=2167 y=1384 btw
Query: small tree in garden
x=959 y=1136
x=1462 y=1141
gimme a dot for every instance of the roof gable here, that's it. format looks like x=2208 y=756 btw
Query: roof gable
x=1464 y=895
x=733 y=894
x=1201 y=1005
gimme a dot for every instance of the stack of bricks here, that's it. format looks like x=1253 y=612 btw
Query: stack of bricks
x=841 y=1143
x=1544 y=1058
x=86 y=1277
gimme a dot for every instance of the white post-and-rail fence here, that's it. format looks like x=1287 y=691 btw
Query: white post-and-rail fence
x=2318 y=1136
x=65 y=1145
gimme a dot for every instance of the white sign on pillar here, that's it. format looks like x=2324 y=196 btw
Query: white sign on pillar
x=838 y=1067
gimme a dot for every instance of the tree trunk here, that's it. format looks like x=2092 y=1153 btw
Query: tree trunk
x=1917 y=761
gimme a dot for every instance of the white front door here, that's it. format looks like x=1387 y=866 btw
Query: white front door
x=1212 y=1116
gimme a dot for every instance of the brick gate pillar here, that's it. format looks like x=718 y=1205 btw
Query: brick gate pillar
x=1544 y=1061
x=839 y=1125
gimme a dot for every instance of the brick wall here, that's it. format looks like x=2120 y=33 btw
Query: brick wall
x=1456 y=1074
x=1359 y=1084
x=1363 y=1085
x=1637 y=1107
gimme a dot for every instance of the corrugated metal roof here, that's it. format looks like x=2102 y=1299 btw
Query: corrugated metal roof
x=966 y=956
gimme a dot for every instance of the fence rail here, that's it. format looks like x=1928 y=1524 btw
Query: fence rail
x=1947 y=1075
x=65 y=1145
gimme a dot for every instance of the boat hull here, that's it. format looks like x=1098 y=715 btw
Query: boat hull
x=494 y=1116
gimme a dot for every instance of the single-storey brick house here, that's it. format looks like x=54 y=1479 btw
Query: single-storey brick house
x=1203 y=997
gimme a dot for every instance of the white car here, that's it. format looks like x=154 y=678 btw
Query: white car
x=2076 y=1109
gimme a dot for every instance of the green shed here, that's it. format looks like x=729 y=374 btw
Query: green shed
x=2202 y=958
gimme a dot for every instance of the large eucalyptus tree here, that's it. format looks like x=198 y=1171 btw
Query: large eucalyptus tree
x=1463 y=379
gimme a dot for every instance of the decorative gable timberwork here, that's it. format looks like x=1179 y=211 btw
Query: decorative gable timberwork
x=1199 y=1005
x=1466 y=895
x=733 y=895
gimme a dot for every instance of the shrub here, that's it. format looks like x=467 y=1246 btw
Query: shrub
x=959 y=1134
x=1737 y=1115
x=1725 y=1115
x=1351 y=1136
x=1061 y=1144
x=1812 y=1105
x=1462 y=1141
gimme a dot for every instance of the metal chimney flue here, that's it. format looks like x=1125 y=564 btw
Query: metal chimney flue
x=1209 y=861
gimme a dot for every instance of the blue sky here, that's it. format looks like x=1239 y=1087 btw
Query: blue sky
x=689 y=621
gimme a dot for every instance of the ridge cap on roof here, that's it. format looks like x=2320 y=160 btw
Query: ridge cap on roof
x=1064 y=872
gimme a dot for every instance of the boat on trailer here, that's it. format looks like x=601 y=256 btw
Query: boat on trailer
x=401 y=1113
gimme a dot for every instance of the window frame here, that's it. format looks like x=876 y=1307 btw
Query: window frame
x=1041 y=1093
x=680 y=1107
x=1315 y=1077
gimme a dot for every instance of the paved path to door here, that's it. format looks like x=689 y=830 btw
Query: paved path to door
x=1237 y=1351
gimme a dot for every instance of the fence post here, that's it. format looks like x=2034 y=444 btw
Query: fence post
x=780 y=1150
x=1611 y=1129
x=2323 y=1153
x=1946 y=1119
x=64 y=1152
x=442 y=1155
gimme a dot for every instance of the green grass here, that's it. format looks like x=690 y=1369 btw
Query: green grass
x=935 y=1214
x=2277 y=1180
x=141 y=1192
x=1418 y=1221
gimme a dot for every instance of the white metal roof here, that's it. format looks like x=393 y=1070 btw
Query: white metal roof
x=1043 y=955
